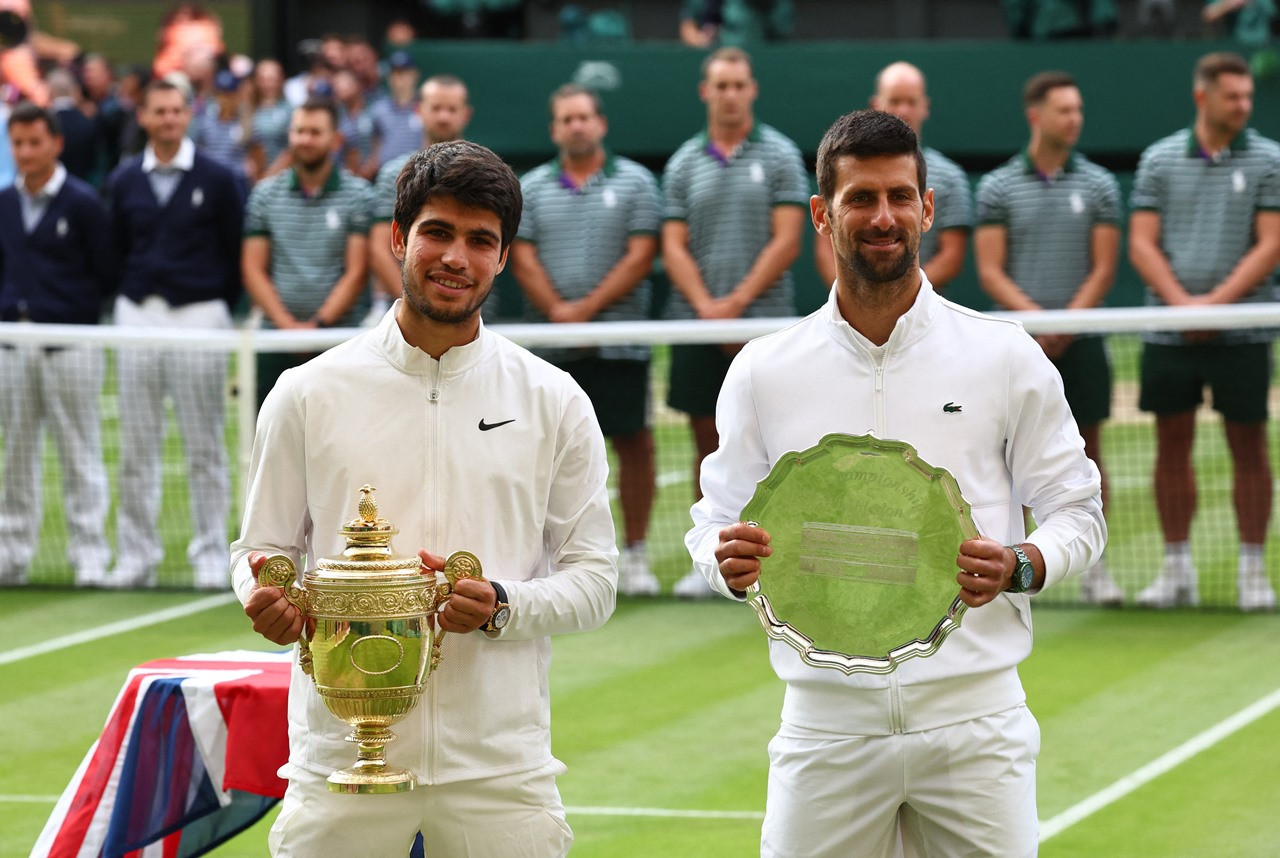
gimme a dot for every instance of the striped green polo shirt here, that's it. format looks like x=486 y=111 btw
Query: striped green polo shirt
x=952 y=203
x=1207 y=205
x=309 y=236
x=728 y=206
x=1048 y=222
x=384 y=188
x=582 y=232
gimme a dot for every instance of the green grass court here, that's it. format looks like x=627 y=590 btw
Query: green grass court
x=663 y=716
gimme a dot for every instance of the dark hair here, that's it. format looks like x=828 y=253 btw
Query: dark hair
x=25 y=113
x=728 y=54
x=468 y=173
x=866 y=134
x=569 y=90
x=1212 y=66
x=320 y=104
x=1037 y=89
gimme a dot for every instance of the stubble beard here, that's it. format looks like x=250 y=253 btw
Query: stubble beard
x=870 y=275
x=414 y=297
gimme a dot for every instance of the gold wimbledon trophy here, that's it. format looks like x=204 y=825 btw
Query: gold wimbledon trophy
x=369 y=641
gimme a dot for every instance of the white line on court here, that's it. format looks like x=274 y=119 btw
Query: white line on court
x=126 y=625
x=1159 y=766
x=671 y=813
x=28 y=799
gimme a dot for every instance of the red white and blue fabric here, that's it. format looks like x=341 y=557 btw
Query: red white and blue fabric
x=187 y=759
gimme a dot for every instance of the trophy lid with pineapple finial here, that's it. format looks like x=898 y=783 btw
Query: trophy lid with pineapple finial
x=368 y=533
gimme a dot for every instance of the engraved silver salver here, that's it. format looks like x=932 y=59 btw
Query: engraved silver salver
x=865 y=536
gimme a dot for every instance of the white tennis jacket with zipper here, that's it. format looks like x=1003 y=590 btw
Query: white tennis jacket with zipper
x=489 y=450
x=974 y=395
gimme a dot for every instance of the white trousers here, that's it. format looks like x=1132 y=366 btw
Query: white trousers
x=196 y=383
x=968 y=789
x=56 y=388
x=513 y=816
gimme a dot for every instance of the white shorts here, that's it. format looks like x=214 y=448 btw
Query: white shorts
x=513 y=816
x=968 y=789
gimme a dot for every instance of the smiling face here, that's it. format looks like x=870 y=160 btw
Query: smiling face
x=451 y=255
x=876 y=215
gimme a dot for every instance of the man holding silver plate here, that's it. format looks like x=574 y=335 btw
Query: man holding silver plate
x=874 y=462
x=479 y=451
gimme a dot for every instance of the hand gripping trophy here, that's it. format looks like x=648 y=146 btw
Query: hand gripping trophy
x=370 y=641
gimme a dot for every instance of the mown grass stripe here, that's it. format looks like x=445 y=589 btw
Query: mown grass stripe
x=1159 y=766
x=665 y=813
x=119 y=627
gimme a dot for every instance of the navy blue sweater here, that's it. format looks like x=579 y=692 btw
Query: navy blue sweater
x=187 y=250
x=65 y=269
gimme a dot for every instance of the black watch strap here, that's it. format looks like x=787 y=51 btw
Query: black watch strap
x=501 y=609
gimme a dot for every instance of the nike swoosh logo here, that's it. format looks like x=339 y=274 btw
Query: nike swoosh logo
x=485 y=427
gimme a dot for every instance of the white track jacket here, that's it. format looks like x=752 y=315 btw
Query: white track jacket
x=526 y=495
x=1012 y=441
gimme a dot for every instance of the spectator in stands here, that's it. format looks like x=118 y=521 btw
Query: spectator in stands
x=101 y=104
x=572 y=274
x=706 y=23
x=900 y=90
x=129 y=91
x=224 y=133
x=1205 y=231
x=56 y=266
x=400 y=34
x=1048 y=238
x=23 y=45
x=397 y=123
x=177 y=219
x=306 y=239
x=301 y=86
x=939 y=757
x=362 y=61
x=269 y=127
x=1060 y=19
x=472 y=19
x=1247 y=21
x=735 y=197
x=355 y=125
x=445 y=112
x=80 y=143
x=187 y=31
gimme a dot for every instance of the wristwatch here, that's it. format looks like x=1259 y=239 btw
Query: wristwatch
x=501 y=611
x=1023 y=572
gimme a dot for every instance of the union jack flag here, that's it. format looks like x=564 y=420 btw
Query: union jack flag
x=186 y=760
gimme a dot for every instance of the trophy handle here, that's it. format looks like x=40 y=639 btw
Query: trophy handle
x=279 y=571
x=462 y=564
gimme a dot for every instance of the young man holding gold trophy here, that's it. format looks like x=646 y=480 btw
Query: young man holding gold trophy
x=477 y=448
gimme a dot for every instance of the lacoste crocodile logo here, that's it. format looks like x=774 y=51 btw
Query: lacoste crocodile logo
x=485 y=427
x=952 y=408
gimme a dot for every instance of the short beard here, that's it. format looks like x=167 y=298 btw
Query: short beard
x=452 y=316
x=899 y=268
